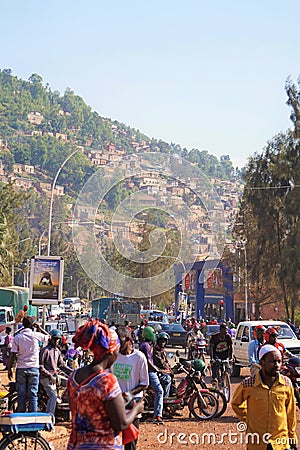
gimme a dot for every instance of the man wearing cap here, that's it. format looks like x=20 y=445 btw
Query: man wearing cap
x=266 y=403
x=254 y=347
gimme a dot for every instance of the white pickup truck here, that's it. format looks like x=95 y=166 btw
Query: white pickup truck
x=6 y=320
x=244 y=334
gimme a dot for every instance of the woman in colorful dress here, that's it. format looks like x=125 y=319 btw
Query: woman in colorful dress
x=97 y=405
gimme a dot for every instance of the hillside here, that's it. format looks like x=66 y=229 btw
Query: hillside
x=39 y=127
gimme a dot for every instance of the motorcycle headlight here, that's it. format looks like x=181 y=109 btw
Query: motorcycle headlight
x=297 y=369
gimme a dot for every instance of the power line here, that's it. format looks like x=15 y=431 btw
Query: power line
x=271 y=187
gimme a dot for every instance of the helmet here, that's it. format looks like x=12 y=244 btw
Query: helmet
x=149 y=334
x=56 y=333
x=258 y=327
x=199 y=365
x=163 y=335
x=270 y=332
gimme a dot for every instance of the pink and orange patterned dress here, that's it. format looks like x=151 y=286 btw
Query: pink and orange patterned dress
x=91 y=428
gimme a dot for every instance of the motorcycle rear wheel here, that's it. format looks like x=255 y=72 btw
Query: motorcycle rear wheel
x=205 y=411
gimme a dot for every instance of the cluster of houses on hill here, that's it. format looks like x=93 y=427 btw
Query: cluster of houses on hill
x=155 y=190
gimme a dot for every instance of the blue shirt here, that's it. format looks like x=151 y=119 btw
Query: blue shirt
x=253 y=348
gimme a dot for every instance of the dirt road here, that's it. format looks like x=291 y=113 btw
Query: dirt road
x=179 y=433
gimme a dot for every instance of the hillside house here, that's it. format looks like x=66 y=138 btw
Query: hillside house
x=146 y=200
x=23 y=168
x=17 y=168
x=35 y=118
x=47 y=187
x=59 y=190
x=21 y=183
x=61 y=136
x=98 y=161
x=111 y=148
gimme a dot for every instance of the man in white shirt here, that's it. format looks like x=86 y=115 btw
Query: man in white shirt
x=131 y=370
x=26 y=344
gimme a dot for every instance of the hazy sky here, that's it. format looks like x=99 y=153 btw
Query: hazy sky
x=201 y=74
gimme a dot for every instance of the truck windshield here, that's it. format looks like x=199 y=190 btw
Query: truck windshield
x=284 y=331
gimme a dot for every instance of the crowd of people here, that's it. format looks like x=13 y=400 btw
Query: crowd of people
x=106 y=392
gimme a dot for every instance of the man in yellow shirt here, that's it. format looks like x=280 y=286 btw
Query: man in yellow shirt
x=266 y=403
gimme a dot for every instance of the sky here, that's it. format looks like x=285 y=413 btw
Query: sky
x=202 y=74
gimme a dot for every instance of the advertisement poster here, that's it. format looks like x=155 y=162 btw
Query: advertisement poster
x=213 y=283
x=46 y=280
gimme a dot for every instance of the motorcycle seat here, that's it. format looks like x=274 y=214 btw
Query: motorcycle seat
x=187 y=364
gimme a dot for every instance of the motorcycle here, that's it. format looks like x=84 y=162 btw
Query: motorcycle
x=197 y=349
x=62 y=412
x=292 y=370
x=202 y=404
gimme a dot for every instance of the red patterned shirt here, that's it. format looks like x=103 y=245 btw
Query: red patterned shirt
x=91 y=428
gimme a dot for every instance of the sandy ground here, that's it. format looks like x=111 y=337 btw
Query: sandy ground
x=179 y=433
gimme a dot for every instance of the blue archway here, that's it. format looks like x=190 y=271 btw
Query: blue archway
x=225 y=295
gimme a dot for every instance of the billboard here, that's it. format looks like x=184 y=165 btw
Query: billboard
x=46 y=280
x=213 y=281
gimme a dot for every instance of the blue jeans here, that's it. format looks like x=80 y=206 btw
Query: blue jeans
x=51 y=391
x=27 y=384
x=159 y=393
x=166 y=381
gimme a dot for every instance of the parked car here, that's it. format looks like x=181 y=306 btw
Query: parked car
x=244 y=334
x=175 y=330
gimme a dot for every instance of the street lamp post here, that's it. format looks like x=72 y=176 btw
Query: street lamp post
x=175 y=258
x=242 y=245
x=50 y=216
x=52 y=197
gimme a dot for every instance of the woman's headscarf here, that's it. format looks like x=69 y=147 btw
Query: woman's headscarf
x=96 y=337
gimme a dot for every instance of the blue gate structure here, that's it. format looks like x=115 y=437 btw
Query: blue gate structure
x=213 y=286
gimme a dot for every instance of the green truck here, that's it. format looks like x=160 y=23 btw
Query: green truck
x=117 y=310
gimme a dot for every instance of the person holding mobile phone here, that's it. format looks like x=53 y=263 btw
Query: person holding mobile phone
x=131 y=370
